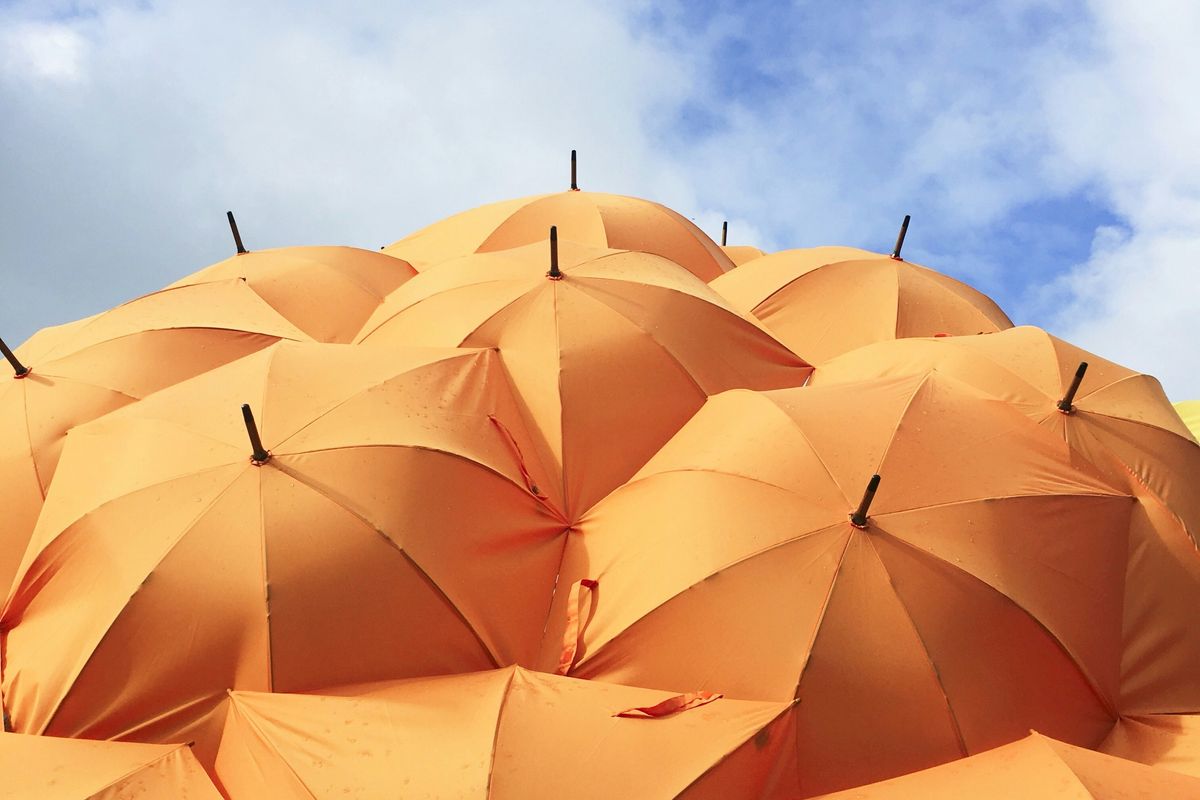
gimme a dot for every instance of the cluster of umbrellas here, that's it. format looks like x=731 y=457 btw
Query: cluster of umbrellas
x=560 y=496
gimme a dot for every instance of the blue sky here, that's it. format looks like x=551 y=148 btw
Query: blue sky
x=1045 y=150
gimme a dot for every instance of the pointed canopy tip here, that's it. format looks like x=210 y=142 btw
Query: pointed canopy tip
x=724 y=232
x=19 y=369
x=1067 y=404
x=574 y=180
x=258 y=455
x=554 y=274
x=900 y=238
x=859 y=518
x=237 y=237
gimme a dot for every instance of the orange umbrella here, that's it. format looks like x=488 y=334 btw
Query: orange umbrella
x=384 y=523
x=606 y=221
x=610 y=354
x=77 y=372
x=501 y=734
x=327 y=292
x=979 y=595
x=49 y=768
x=1170 y=741
x=825 y=301
x=1034 y=767
x=1123 y=424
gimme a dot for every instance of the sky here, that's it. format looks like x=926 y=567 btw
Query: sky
x=1045 y=150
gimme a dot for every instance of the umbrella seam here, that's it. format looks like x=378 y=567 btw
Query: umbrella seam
x=166 y=715
x=136 y=770
x=937 y=676
x=465 y=354
x=108 y=630
x=720 y=761
x=1074 y=659
x=812 y=642
x=266 y=740
x=512 y=675
x=408 y=557
x=363 y=334
x=731 y=565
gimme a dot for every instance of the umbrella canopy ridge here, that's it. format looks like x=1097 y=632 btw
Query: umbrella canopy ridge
x=1037 y=767
x=507 y=733
x=1169 y=741
x=825 y=301
x=50 y=768
x=399 y=500
x=83 y=370
x=1121 y=423
x=328 y=292
x=740 y=254
x=609 y=359
x=595 y=219
x=1189 y=412
x=964 y=611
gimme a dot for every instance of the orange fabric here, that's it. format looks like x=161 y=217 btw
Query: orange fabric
x=825 y=301
x=373 y=544
x=86 y=369
x=1036 y=766
x=1170 y=741
x=1124 y=426
x=49 y=768
x=579 y=606
x=740 y=254
x=590 y=218
x=739 y=527
x=608 y=362
x=327 y=292
x=672 y=705
x=502 y=734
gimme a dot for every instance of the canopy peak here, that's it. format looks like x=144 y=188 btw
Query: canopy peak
x=19 y=369
x=555 y=274
x=1066 y=404
x=859 y=518
x=259 y=454
x=237 y=237
x=900 y=238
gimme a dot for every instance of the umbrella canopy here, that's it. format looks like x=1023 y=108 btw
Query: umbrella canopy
x=592 y=218
x=741 y=253
x=1170 y=741
x=327 y=292
x=49 y=768
x=980 y=593
x=610 y=357
x=1034 y=767
x=83 y=370
x=1122 y=423
x=501 y=734
x=825 y=301
x=381 y=521
x=1189 y=412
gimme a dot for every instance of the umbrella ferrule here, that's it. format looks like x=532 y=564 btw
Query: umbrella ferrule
x=574 y=182
x=724 y=232
x=19 y=369
x=859 y=518
x=1066 y=405
x=259 y=455
x=555 y=274
x=900 y=238
x=237 y=237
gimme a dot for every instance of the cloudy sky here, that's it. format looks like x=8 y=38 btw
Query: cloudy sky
x=1046 y=150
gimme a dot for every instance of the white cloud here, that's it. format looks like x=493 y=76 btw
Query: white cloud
x=354 y=124
x=43 y=51
x=1126 y=117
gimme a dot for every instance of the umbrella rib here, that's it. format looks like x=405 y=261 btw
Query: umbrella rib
x=720 y=761
x=837 y=570
x=364 y=334
x=731 y=565
x=900 y=419
x=166 y=715
x=269 y=743
x=387 y=538
x=1079 y=666
x=139 y=768
x=962 y=744
x=104 y=636
x=512 y=675
x=37 y=473
x=266 y=584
